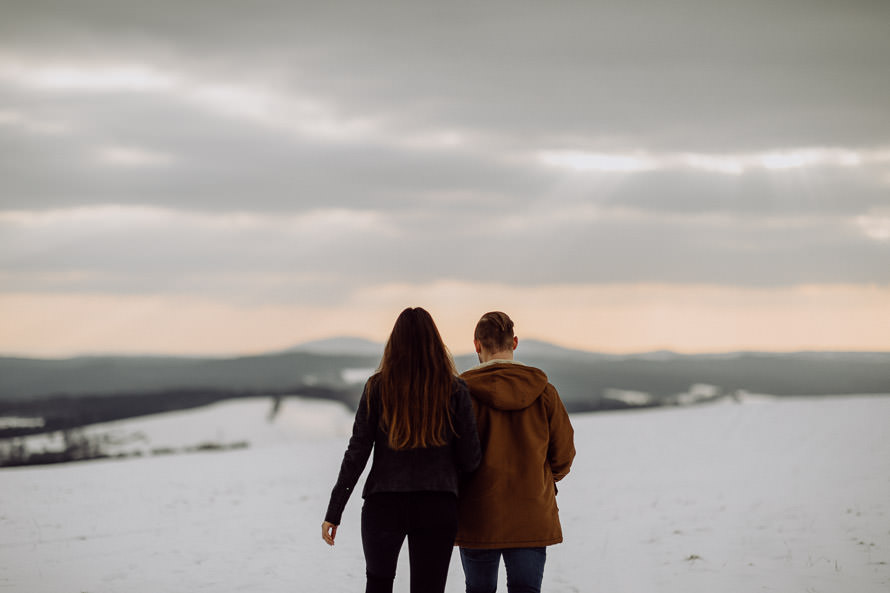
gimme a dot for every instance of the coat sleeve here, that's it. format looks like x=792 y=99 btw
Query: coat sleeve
x=561 y=450
x=467 y=451
x=354 y=460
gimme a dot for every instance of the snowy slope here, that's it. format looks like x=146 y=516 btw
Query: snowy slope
x=256 y=421
x=784 y=495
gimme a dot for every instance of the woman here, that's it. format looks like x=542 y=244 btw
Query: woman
x=416 y=415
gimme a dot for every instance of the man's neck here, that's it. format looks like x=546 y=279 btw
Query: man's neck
x=501 y=355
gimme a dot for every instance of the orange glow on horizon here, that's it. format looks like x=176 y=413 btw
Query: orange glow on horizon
x=607 y=318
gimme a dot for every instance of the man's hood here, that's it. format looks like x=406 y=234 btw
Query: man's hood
x=505 y=384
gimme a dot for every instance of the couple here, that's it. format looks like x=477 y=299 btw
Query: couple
x=469 y=461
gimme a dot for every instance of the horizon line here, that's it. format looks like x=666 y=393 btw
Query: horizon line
x=557 y=346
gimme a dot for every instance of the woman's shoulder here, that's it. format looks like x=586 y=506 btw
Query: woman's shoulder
x=460 y=393
x=372 y=383
x=458 y=385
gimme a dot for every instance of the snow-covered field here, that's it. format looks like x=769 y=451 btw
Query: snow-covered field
x=764 y=495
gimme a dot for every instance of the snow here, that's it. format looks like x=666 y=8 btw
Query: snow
x=765 y=495
x=19 y=422
x=226 y=423
x=356 y=375
x=630 y=397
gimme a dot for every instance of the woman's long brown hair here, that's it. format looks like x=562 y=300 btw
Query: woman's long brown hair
x=414 y=383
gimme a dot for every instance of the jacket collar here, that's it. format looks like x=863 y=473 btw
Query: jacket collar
x=497 y=361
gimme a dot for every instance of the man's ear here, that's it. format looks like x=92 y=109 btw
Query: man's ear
x=478 y=345
x=515 y=342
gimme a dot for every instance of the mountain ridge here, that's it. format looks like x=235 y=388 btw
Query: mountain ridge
x=327 y=362
x=78 y=391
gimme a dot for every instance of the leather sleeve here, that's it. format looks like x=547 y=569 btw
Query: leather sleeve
x=354 y=460
x=468 y=453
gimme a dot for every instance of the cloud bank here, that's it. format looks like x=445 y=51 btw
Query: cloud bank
x=296 y=155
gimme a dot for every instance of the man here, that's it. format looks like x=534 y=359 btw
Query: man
x=507 y=508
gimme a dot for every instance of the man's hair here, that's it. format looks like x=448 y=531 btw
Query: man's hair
x=495 y=331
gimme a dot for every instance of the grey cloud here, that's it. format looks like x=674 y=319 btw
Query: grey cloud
x=221 y=164
x=267 y=260
x=694 y=76
x=697 y=76
x=807 y=192
x=217 y=163
x=651 y=249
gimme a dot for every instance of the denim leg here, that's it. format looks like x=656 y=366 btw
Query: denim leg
x=525 y=569
x=480 y=569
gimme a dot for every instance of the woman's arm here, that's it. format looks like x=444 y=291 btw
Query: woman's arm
x=468 y=452
x=354 y=460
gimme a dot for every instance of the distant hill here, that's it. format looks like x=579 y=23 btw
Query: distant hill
x=534 y=349
x=88 y=389
x=336 y=363
x=362 y=346
x=341 y=345
x=30 y=378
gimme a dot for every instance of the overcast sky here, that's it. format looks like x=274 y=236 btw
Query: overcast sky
x=228 y=177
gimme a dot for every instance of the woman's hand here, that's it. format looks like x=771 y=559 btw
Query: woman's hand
x=328 y=532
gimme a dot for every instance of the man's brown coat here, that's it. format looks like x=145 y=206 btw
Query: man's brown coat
x=527 y=446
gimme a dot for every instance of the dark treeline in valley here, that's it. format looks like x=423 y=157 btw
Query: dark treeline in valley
x=68 y=393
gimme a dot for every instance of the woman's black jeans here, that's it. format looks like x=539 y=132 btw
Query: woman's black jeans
x=428 y=519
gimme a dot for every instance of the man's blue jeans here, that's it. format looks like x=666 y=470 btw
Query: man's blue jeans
x=525 y=569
